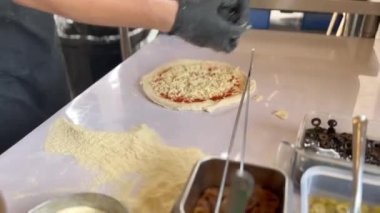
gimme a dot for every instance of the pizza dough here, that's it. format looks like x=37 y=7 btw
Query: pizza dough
x=258 y=98
x=195 y=85
x=281 y=114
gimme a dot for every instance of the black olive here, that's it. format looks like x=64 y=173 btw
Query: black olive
x=325 y=144
x=332 y=123
x=310 y=133
x=334 y=144
x=346 y=136
x=348 y=146
x=316 y=122
x=341 y=143
x=323 y=136
x=331 y=131
x=376 y=145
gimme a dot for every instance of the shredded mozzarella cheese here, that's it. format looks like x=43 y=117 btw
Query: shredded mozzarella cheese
x=197 y=82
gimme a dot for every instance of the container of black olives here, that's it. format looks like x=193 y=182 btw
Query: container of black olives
x=326 y=139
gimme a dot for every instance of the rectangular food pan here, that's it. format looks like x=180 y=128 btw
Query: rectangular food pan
x=295 y=159
x=208 y=173
x=326 y=189
x=341 y=140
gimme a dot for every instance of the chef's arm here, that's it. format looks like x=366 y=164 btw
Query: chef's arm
x=157 y=14
x=217 y=24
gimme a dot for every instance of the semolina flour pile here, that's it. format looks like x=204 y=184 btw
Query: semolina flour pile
x=145 y=174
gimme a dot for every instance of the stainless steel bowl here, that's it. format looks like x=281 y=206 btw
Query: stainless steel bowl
x=94 y=200
x=207 y=173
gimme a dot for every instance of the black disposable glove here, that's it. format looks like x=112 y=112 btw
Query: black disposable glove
x=217 y=24
x=235 y=11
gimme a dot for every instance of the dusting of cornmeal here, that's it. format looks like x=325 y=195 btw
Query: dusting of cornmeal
x=80 y=209
x=281 y=114
x=126 y=161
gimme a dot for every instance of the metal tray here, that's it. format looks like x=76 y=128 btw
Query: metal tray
x=335 y=183
x=295 y=160
x=94 y=200
x=208 y=172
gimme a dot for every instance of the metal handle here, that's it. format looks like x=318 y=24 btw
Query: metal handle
x=242 y=186
x=359 y=125
x=232 y=139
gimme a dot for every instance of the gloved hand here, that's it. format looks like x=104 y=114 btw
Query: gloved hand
x=235 y=11
x=217 y=24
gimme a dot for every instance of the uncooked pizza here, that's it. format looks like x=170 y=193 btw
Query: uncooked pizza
x=195 y=85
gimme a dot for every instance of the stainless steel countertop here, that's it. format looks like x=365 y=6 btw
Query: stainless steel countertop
x=294 y=72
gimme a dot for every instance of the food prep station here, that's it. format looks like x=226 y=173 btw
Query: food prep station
x=297 y=73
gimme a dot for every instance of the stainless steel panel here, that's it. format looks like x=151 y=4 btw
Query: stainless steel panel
x=371 y=7
x=369 y=27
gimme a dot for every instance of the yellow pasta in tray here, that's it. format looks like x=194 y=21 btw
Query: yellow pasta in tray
x=319 y=204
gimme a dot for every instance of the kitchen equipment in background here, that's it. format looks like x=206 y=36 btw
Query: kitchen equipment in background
x=91 y=51
x=259 y=19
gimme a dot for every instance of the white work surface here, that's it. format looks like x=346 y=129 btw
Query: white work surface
x=294 y=72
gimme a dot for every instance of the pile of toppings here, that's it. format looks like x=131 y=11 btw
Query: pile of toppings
x=341 y=143
x=262 y=200
x=192 y=83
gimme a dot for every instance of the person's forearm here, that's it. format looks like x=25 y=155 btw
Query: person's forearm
x=158 y=14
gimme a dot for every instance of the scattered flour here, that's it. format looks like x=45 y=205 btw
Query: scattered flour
x=258 y=98
x=281 y=114
x=146 y=175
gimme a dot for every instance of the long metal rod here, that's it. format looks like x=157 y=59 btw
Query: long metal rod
x=332 y=23
x=339 y=32
x=359 y=124
x=232 y=139
x=347 y=25
x=125 y=43
x=370 y=25
x=243 y=145
x=354 y=25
